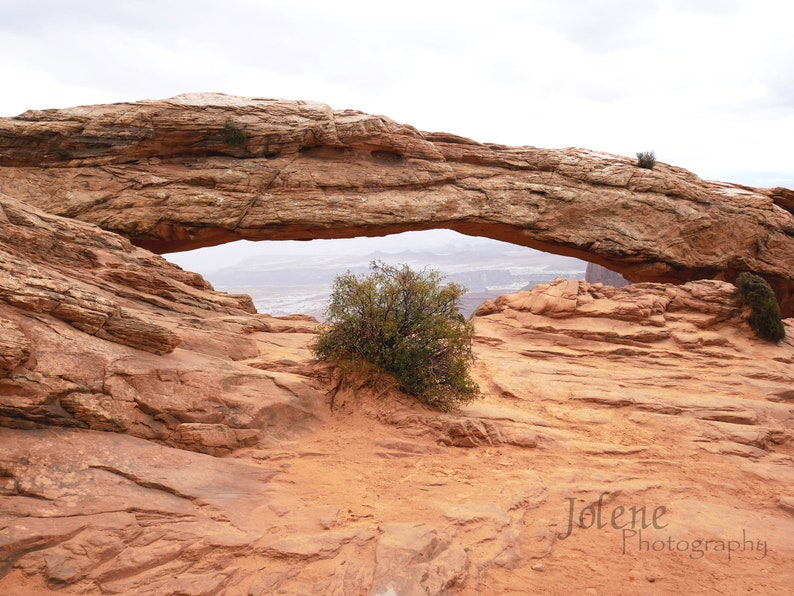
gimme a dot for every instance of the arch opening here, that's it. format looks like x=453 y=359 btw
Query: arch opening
x=286 y=277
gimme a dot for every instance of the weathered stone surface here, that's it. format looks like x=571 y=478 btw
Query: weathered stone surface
x=157 y=437
x=202 y=169
x=89 y=512
x=786 y=503
x=644 y=304
x=783 y=197
x=100 y=334
x=416 y=559
x=14 y=347
x=101 y=511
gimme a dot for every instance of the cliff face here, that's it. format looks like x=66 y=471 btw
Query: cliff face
x=159 y=437
x=199 y=170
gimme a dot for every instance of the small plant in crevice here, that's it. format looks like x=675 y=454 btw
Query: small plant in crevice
x=234 y=135
x=646 y=159
x=765 y=318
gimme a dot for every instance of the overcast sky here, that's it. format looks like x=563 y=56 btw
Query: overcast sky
x=707 y=84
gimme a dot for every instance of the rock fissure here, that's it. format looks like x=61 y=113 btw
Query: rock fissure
x=143 y=483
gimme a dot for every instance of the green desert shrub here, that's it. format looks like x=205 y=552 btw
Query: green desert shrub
x=233 y=134
x=764 y=317
x=407 y=324
x=646 y=159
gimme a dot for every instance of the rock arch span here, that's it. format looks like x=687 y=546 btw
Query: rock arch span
x=203 y=169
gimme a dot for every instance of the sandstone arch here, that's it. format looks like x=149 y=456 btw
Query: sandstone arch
x=170 y=176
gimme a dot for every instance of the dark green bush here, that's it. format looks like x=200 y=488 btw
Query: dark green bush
x=233 y=134
x=407 y=324
x=646 y=159
x=764 y=317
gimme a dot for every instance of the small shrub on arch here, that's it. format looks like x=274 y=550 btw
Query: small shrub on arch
x=646 y=159
x=407 y=324
x=233 y=134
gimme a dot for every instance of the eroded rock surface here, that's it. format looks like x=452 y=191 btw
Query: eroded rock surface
x=202 y=169
x=234 y=464
x=158 y=437
x=102 y=335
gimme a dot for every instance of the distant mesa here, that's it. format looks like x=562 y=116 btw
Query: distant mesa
x=169 y=175
x=596 y=274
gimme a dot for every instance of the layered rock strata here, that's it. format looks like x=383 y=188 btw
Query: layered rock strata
x=100 y=334
x=199 y=170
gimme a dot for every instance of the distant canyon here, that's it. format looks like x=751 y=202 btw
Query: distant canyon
x=300 y=282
